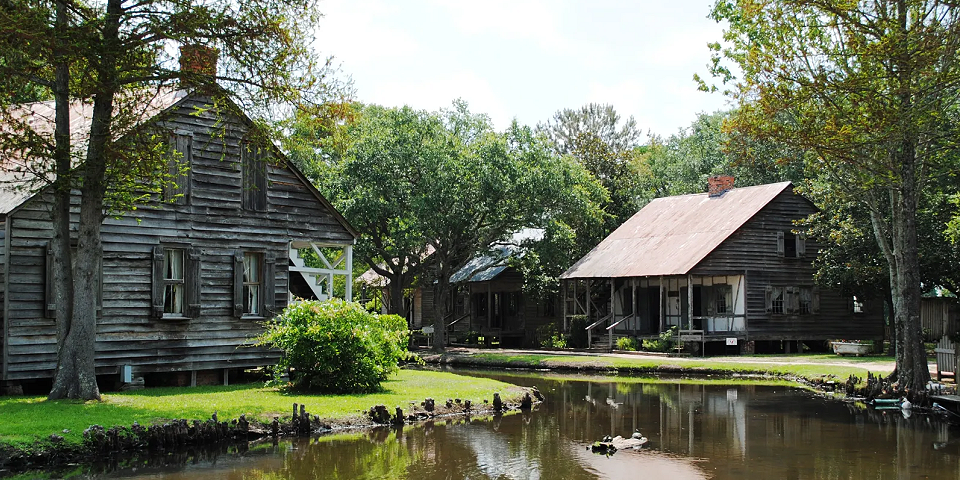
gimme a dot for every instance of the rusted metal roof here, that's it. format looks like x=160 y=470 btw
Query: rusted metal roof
x=671 y=235
x=488 y=265
x=22 y=174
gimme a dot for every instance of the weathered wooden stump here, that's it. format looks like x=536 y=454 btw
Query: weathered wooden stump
x=497 y=403
x=379 y=414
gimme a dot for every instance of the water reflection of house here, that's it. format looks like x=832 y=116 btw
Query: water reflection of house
x=727 y=267
x=491 y=299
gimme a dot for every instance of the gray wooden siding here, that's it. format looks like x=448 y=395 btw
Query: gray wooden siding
x=753 y=250
x=3 y=293
x=212 y=221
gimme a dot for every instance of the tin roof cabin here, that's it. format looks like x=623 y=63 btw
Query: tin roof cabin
x=727 y=269
x=491 y=302
x=187 y=279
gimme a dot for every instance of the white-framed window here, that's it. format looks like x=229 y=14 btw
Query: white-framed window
x=176 y=281
x=252 y=282
x=723 y=297
x=777 y=301
x=173 y=282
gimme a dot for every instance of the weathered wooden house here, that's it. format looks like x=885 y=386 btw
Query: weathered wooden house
x=491 y=301
x=727 y=268
x=187 y=279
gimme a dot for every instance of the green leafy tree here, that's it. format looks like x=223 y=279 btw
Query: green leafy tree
x=866 y=90
x=116 y=55
x=567 y=127
x=682 y=163
x=409 y=179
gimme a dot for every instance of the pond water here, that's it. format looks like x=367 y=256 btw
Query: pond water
x=695 y=431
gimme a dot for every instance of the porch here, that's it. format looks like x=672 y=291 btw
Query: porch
x=701 y=308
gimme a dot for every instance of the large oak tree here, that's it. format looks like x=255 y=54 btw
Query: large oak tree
x=408 y=179
x=868 y=89
x=117 y=55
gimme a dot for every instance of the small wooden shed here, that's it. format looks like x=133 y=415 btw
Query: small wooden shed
x=491 y=300
x=187 y=279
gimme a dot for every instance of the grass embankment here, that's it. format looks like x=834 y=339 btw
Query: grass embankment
x=28 y=420
x=809 y=367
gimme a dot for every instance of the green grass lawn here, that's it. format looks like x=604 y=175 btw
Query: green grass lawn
x=29 y=419
x=809 y=370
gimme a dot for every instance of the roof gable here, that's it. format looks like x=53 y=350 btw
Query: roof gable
x=19 y=185
x=671 y=235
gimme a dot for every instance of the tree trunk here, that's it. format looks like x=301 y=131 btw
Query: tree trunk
x=67 y=377
x=441 y=289
x=913 y=371
x=396 y=296
x=76 y=373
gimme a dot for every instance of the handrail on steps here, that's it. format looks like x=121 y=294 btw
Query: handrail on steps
x=598 y=322
x=628 y=317
x=465 y=315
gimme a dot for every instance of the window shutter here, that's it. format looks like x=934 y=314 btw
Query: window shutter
x=801 y=245
x=269 y=296
x=791 y=301
x=768 y=298
x=254 y=174
x=157 y=305
x=780 y=244
x=238 y=283
x=191 y=282
x=815 y=300
x=50 y=296
x=182 y=170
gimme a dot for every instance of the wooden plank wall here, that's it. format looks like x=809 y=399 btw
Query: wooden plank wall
x=3 y=293
x=753 y=249
x=938 y=317
x=212 y=222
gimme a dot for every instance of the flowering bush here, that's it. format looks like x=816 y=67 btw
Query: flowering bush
x=335 y=346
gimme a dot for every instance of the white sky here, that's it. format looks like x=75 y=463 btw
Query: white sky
x=526 y=59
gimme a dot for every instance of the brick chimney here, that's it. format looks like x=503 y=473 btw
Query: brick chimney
x=718 y=184
x=198 y=64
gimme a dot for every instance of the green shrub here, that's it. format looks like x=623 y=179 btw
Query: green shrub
x=578 y=334
x=662 y=344
x=471 y=337
x=549 y=337
x=336 y=346
x=628 y=343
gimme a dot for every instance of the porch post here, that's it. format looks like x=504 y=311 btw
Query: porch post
x=690 y=302
x=613 y=311
x=633 y=305
x=348 y=252
x=588 y=301
x=489 y=307
x=663 y=306
x=563 y=301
